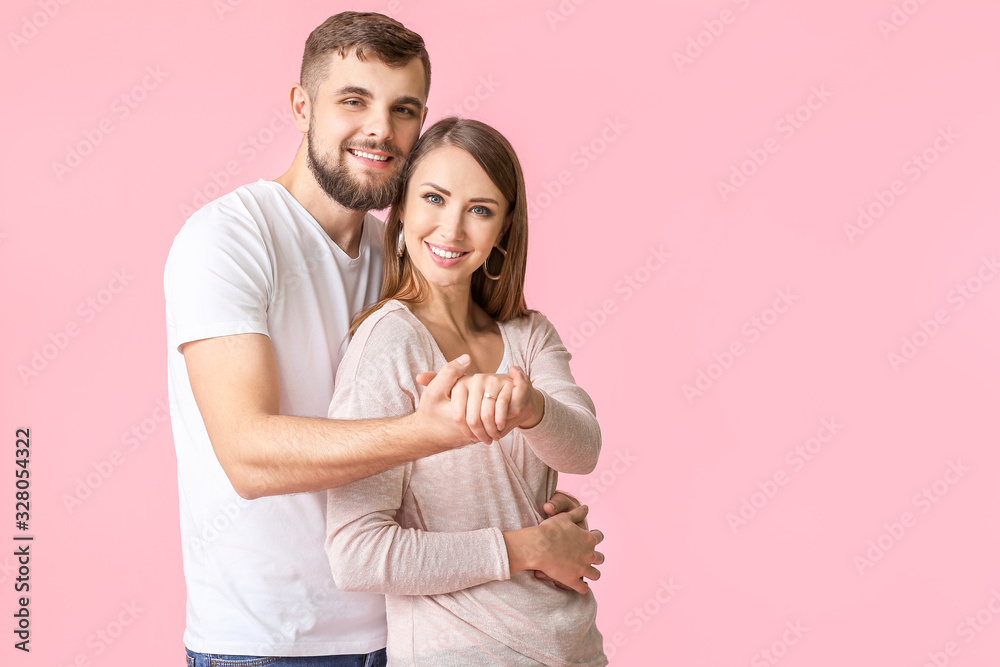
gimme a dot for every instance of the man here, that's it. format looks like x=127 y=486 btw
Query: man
x=260 y=287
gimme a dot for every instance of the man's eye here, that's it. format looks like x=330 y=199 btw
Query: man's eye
x=405 y=110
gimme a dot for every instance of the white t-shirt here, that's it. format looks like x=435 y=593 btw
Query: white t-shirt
x=258 y=578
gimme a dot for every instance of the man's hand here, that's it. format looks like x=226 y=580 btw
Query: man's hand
x=560 y=502
x=511 y=402
x=560 y=547
x=434 y=414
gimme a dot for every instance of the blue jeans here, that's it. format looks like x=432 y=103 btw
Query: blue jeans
x=375 y=659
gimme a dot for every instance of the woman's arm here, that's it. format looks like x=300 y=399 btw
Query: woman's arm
x=370 y=551
x=566 y=435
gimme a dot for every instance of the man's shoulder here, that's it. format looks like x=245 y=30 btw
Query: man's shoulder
x=239 y=216
x=247 y=203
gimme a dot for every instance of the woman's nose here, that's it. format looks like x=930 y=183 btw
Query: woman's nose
x=451 y=225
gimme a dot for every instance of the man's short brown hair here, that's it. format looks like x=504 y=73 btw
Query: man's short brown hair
x=368 y=34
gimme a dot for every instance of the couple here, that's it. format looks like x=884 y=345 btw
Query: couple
x=439 y=483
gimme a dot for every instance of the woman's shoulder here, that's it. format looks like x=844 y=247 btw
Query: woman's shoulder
x=532 y=324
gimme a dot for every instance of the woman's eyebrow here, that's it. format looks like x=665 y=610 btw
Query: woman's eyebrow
x=477 y=200
x=437 y=187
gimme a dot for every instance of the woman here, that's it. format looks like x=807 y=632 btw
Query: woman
x=455 y=253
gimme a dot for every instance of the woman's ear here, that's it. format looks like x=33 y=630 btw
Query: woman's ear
x=505 y=229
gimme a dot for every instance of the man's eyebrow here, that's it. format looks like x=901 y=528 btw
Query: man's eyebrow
x=415 y=101
x=353 y=90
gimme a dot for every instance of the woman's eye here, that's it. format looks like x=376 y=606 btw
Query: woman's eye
x=481 y=210
x=433 y=198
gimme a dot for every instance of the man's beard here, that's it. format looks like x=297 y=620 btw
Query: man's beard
x=352 y=192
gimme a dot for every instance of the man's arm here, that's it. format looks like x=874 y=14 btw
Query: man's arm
x=235 y=384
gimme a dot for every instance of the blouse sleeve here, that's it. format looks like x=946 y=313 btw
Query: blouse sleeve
x=368 y=550
x=568 y=438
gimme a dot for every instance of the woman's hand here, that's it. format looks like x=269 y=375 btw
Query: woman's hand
x=560 y=547
x=492 y=405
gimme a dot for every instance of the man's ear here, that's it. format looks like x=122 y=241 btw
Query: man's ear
x=423 y=119
x=301 y=107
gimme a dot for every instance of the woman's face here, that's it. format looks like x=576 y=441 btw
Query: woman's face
x=452 y=217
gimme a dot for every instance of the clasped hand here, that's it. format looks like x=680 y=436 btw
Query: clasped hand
x=484 y=406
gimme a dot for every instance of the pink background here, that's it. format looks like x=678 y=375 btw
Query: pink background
x=687 y=581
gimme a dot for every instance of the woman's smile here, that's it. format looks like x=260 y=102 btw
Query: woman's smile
x=444 y=255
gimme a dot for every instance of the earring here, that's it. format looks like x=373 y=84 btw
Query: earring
x=399 y=242
x=486 y=269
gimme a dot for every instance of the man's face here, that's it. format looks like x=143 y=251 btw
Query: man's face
x=364 y=120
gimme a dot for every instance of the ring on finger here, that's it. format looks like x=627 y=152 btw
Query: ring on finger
x=489 y=395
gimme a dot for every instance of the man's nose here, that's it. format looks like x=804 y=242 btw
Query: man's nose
x=378 y=126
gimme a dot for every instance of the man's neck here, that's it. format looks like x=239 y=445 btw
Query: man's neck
x=343 y=225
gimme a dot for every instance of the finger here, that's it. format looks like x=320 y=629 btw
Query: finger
x=598 y=535
x=581 y=587
x=592 y=573
x=488 y=416
x=549 y=508
x=472 y=410
x=598 y=558
x=578 y=514
x=501 y=405
x=522 y=389
x=562 y=502
x=449 y=375
x=425 y=378
x=459 y=399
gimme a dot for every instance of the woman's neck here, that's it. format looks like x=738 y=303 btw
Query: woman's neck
x=450 y=308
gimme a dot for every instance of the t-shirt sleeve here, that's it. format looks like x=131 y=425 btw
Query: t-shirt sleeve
x=217 y=279
x=568 y=438
x=368 y=550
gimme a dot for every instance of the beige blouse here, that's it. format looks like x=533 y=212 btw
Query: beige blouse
x=428 y=534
